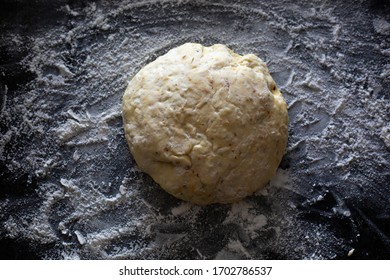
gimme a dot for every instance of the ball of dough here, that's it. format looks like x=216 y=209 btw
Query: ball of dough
x=208 y=125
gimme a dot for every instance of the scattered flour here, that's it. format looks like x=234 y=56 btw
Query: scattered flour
x=381 y=26
x=88 y=192
x=245 y=215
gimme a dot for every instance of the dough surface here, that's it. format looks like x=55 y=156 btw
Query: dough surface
x=208 y=125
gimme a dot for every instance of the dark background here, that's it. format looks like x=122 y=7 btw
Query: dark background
x=365 y=194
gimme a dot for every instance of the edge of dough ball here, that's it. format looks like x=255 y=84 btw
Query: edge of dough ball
x=208 y=125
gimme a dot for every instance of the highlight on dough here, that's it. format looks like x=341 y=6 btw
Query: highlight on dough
x=207 y=124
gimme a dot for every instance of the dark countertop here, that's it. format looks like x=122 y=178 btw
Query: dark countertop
x=69 y=187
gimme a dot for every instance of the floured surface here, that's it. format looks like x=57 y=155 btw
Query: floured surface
x=69 y=188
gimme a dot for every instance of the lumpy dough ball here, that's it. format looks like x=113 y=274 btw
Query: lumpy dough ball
x=208 y=125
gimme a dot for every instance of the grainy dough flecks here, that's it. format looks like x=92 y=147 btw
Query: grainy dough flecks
x=207 y=124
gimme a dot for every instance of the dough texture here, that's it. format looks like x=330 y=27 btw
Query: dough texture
x=208 y=125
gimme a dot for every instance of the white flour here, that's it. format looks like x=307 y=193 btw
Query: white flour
x=92 y=201
x=381 y=26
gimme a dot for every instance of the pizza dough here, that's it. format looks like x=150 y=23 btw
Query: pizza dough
x=208 y=125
